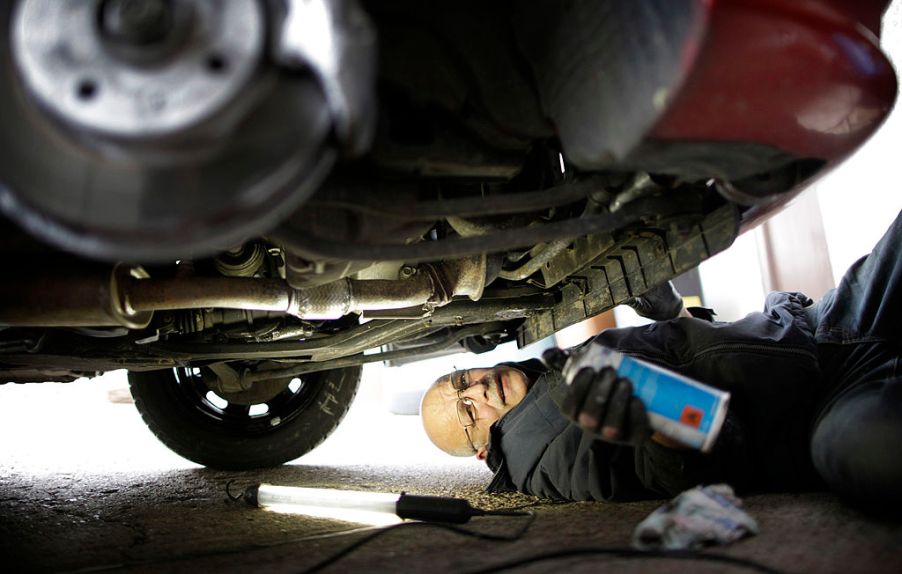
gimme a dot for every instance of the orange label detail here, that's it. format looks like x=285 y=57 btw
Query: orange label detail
x=691 y=416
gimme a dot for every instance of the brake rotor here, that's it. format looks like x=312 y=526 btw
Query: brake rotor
x=153 y=130
x=136 y=69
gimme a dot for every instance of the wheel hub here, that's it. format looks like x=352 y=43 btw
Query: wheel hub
x=137 y=68
x=157 y=130
x=260 y=391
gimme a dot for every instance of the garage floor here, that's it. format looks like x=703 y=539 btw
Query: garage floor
x=182 y=521
x=84 y=487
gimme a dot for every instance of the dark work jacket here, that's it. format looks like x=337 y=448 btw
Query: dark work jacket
x=767 y=361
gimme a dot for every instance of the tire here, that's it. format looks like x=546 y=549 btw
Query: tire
x=224 y=433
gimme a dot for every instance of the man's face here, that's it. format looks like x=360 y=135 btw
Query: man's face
x=459 y=408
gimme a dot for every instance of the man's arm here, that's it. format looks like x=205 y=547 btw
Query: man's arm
x=602 y=404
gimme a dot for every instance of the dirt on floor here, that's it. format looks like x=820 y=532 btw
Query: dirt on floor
x=183 y=521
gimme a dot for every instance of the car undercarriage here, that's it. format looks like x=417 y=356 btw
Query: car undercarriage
x=242 y=204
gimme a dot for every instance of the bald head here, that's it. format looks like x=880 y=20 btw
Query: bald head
x=440 y=420
x=459 y=408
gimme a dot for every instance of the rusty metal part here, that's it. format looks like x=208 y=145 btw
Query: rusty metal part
x=227 y=379
x=330 y=301
x=429 y=286
x=288 y=332
x=361 y=337
x=641 y=185
x=345 y=296
x=254 y=378
x=468 y=276
x=467 y=228
x=128 y=298
x=90 y=299
x=543 y=254
x=202 y=292
x=351 y=344
x=199 y=320
x=255 y=393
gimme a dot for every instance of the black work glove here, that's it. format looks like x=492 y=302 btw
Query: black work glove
x=603 y=403
x=658 y=303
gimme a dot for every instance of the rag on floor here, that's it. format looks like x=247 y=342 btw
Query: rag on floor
x=698 y=517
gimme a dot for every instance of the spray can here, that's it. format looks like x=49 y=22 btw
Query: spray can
x=678 y=407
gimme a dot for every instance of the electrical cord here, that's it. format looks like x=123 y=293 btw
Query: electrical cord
x=627 y=553
x=543 y=556
x=330 y=560
x=618 y=552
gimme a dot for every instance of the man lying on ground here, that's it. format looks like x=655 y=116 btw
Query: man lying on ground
x=816 y=400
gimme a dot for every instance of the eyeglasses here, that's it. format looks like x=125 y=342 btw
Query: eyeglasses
x=466 y=410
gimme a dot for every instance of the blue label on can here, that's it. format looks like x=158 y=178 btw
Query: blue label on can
x=678 y=407
x=670 y=395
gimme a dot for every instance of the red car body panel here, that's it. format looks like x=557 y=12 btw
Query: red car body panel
x=806 y=77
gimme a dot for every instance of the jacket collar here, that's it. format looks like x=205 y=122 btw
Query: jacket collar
x=521 y=436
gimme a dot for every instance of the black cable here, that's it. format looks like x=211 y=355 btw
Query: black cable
x=233 y=497
x=628 y=553
x=312 y=247
x=507 y=565
x=544 y=556
x=431 y=210
x=450 y=527
x=375 y=532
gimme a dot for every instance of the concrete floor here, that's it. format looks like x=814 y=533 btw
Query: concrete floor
x=85 y=488
x=182 y=521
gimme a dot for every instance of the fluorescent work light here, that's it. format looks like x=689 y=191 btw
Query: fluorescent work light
x=359 y=506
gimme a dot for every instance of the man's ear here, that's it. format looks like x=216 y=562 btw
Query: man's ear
x=482 y=453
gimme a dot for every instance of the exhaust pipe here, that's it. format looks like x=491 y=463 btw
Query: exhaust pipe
x=85 y=298
x=128 y=298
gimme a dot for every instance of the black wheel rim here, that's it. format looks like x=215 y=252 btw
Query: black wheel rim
x=243 y=419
